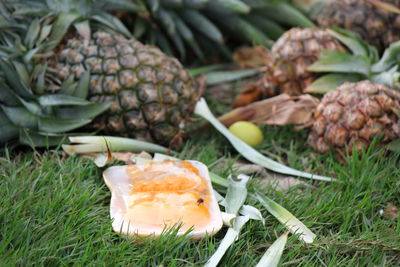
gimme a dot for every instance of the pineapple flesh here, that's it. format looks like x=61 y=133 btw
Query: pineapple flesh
x=152 y=94
x=353 y=115
x=287 y=72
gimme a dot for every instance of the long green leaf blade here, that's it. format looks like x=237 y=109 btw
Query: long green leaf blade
x=83 y=112
x=89 y=144
x=59 y=125
x=203 y=25
x=20 y=116
x=273 y=255
x=294 y=225
x=336 y=61
x=218 y=77
x=57 y=100
x=330 y=82
x=248 y=152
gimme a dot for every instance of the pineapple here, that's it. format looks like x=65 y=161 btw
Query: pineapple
x=151 y=93
x=376 y=21
x=353 y=114
x=348 y=117
x=61 y=78
x=287 y=71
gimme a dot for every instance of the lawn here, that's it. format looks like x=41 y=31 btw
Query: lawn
x=55 y=210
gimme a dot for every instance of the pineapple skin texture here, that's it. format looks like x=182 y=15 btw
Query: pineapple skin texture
x=152 y=94
x=353 y=114
x=287 y=72
x=378 y=27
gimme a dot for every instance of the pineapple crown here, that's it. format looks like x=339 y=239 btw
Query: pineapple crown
x=195 y=27
x=361 y=63
x=31 y=30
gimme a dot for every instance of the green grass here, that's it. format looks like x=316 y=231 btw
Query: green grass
x=55 y=211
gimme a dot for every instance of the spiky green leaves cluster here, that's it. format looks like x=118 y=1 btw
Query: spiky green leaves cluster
x=362 y=63
x=39 y=119
x=29 y=32
x=204 y=27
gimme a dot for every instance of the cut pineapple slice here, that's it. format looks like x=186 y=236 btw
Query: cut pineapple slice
x=149 y=197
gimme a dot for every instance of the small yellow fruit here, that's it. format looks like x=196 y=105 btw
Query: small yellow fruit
x=248 y=132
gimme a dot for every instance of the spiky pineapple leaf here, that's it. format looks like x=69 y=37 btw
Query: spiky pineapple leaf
x=22 y=73
x=330 y=82
x=7 y=95
x=390 y=77
x=68 y=87
x=20 y=116
x=284 y=13
x=336 y=61
x=140 y=27
x=234 y=5
x=390 y=57
x=268 y=26
x=218 y=77
x=60 y=125
x=167 y=21
x=8 y=131
x=112 y=22
x=253 y=34
x=187 y=35
x=202 y=24
x=37 y=139
x=13 y=79
x=82 y=112
x=57 y=100
x=154 y=5
x=354 y=43
x=32 y=34
x=82 y=90
x=61 y=26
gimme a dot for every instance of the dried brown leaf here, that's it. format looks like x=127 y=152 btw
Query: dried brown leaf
x=277 y=181
x=391 y=211
x=252 y=57
x=279 y=110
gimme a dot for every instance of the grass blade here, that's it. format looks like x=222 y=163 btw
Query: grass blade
x=248 y=152
x=274 y=253
x=294 y=225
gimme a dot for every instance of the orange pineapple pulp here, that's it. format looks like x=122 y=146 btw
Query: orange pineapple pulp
x=168 y=193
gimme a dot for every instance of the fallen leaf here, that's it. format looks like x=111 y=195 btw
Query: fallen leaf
x=252 y=57
x=279 y=110
x=277 y=181
x=391 y=211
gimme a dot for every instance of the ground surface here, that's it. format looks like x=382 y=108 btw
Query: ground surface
x=55 y=210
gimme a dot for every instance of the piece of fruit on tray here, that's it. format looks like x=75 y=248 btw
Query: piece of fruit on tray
x=149 y=197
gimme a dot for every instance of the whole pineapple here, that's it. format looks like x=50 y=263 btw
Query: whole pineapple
x=376 y=24
x=290 y=56
x=152 y=94
x=376 y=21
x=74 y=74
x=353 y=114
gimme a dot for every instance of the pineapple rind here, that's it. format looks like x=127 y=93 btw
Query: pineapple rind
x=352 y=115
